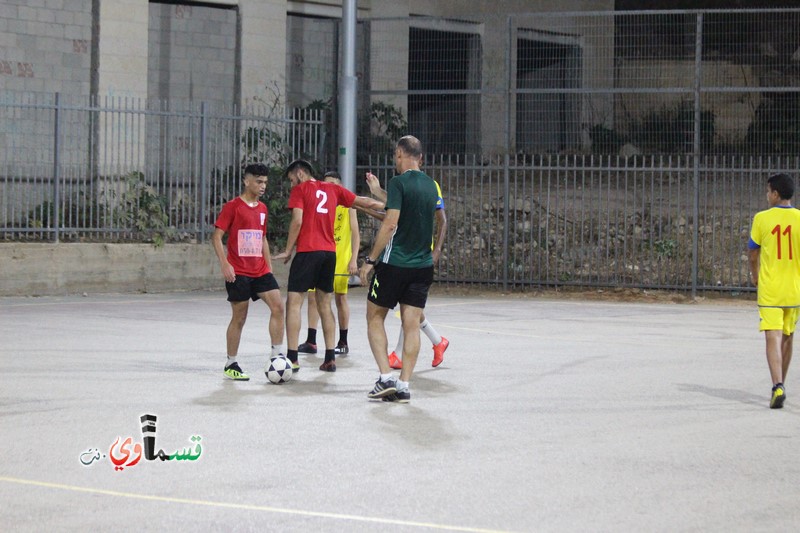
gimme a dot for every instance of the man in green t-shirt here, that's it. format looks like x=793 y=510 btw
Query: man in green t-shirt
x=403 y=267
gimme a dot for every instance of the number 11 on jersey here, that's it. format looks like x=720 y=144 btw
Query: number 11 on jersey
x=788 y=233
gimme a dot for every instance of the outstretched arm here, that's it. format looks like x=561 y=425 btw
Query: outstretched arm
x=369 y=203
x=371 y=212
x=374 y=185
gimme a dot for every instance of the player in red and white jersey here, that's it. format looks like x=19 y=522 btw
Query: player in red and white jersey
x=247 y=265
x=313 y=204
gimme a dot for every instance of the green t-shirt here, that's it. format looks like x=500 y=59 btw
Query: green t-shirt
x=415 y=195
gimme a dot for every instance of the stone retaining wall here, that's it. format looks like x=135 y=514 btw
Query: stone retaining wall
x=57 y=269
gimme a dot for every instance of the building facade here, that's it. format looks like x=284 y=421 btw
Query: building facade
x=232 y=53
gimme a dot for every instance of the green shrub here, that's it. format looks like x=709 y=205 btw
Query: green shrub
x=143 y=211
x=605 y=140
x=776 y=126
x=671 y=130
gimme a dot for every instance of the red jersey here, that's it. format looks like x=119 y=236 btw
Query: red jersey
x=246 y=227
x=318 y=200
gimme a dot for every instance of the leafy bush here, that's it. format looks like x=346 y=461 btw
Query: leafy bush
x=776 y=126
x=381 y=127
x=82 y=211
x=277 y=200
x=671 y=130
x=143 y=211
x=605 y=140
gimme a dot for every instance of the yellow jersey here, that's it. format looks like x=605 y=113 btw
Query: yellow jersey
x=342 y=235
x=776 y=233
x=439 y=205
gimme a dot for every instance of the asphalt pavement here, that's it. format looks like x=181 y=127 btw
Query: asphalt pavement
x=546 y=415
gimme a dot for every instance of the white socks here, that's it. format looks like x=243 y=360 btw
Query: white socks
x=426 y=328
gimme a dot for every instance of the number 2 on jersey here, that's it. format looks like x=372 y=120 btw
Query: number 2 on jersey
x=788 y=232
x=323 y=197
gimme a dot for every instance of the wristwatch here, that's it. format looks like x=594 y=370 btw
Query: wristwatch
x=370 y=261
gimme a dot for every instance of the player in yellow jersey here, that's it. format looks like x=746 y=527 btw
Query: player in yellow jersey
x=775 y=269
x=348 y=241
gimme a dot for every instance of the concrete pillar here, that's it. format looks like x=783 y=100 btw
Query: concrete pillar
x=389 y=52
x=122 y=79
x=494 y=82
x=123 y=48
x=263 y=42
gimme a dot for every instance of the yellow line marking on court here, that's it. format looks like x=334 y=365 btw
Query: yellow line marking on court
x=246 y=507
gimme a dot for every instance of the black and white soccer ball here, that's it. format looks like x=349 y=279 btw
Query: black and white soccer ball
x=278 y=370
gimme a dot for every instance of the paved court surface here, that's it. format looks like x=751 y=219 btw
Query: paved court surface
x=545 y=416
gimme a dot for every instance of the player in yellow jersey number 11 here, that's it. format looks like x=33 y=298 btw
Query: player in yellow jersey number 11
x=777 y=278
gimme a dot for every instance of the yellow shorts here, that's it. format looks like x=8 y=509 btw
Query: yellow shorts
x=341 y=283
x=341 y=278
x=782 y=318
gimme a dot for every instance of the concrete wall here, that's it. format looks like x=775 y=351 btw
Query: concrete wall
x=45 y=46
x=733 y=111
x=53 y=269
x=192 y=54
x=263 y=55
x=58 y=269
x=311 y=59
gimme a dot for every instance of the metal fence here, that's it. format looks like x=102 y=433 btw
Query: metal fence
x=584 y=148
x=624 y=82
x=638 y=142
x=594 y=220
x=130 y=170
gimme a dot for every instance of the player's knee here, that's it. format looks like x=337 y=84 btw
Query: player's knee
x=238 y=320
x=276 y=306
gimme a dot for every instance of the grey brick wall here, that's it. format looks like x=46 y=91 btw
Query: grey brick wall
x=311 y=59
x=191 y=56
x=45 y=46
x=192 y=53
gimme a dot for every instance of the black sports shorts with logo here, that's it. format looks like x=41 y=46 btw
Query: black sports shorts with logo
x=391 y=285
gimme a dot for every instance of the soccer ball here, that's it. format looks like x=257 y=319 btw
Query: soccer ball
x=279 y=370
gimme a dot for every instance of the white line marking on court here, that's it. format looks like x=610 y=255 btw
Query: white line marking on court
x=91 y=301
x=245 y=507
x=625 y=341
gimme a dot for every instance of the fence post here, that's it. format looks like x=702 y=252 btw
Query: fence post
x=507 y=159
x=56 y=169
x=506 y=217
x=203 y=170
x=698 y=61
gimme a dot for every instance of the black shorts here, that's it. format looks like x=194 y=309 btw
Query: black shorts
x=245 y=287
x=312 y=270
x=392 y=284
